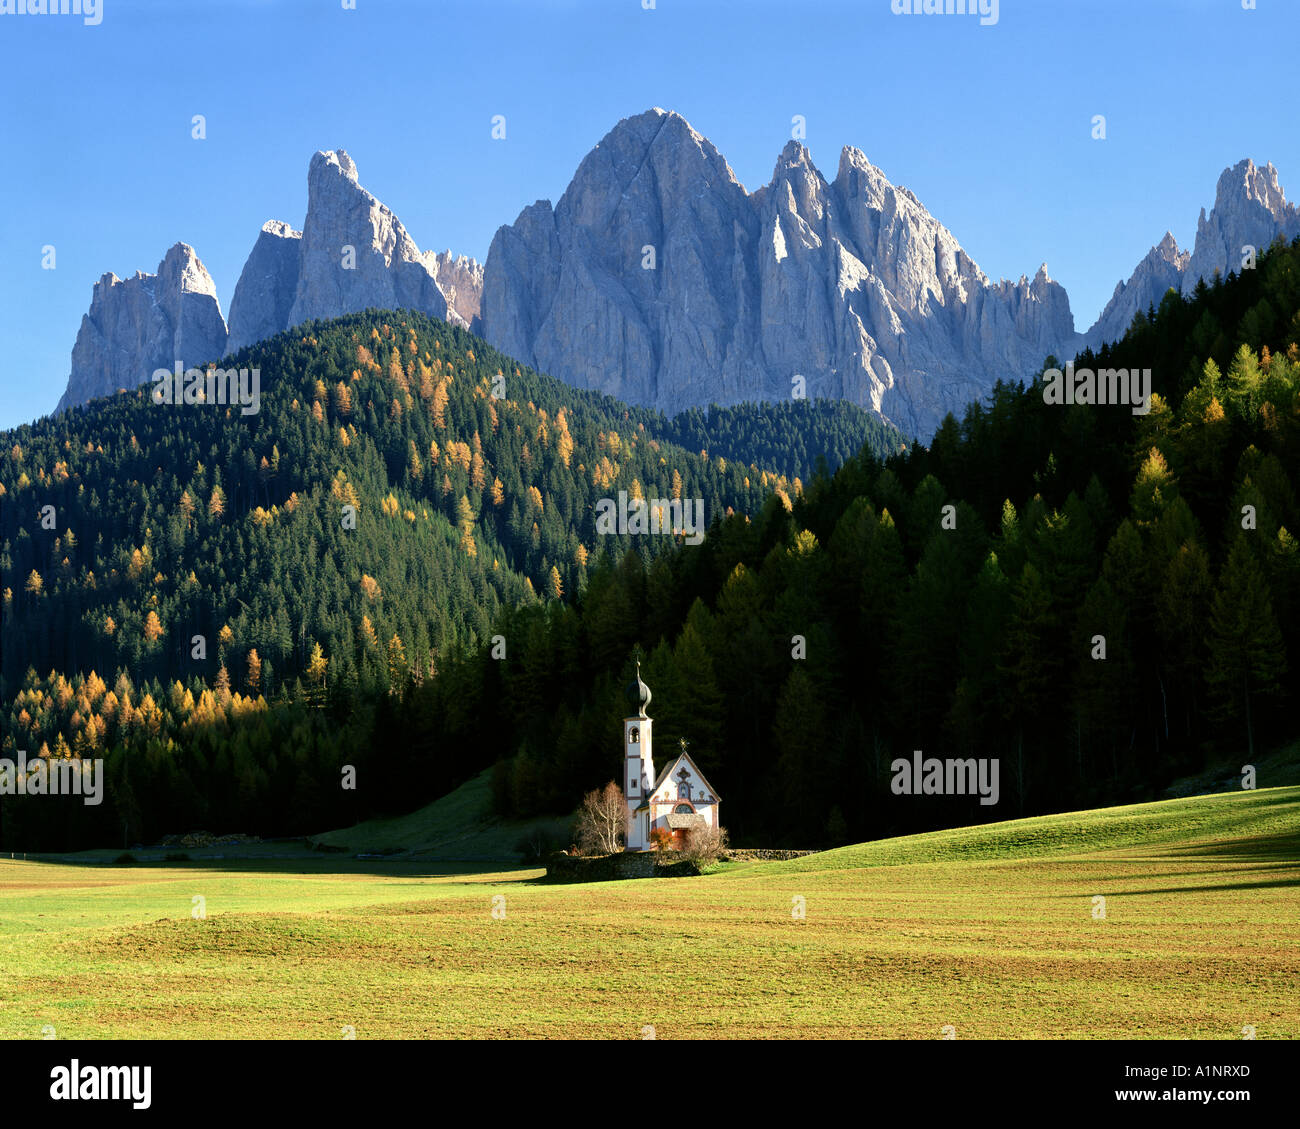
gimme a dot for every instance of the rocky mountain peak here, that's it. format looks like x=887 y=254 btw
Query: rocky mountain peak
x=1250 y=210
x=332 y=162
x=144 y=323
x=354 y=252
x=267 y=285
x=181 y=272
x=852 y=286
x=1245 y=181
x=461 y=280
x=794 y=155
x=281 y=229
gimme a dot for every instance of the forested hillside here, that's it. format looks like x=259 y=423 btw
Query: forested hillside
x=167 y=571
x=1163 y=541
x=790 y=438
x=470 y=620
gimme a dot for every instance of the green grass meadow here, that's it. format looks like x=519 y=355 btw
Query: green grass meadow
x=991 y=930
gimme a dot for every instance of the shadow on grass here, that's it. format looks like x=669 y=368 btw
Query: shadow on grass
x=314 y=866
x=1279 y=849
x=1219 y=888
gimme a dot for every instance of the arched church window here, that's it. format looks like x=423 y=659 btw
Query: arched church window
x=683 y=809
x=634 y=735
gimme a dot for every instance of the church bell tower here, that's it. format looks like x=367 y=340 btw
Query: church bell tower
x=639 y=765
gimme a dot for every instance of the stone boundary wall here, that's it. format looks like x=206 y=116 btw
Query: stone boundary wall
x=606 y=868
x=643 y=864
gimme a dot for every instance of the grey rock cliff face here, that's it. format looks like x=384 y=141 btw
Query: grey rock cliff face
x=460 y=279
x=351 y=254
x=1250 y=210
x=145 y=323
x=658 y=279
x=1162 y=269
x=383 y=267
x=267 y=286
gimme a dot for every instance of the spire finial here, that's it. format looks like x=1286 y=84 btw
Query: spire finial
x=639 y=692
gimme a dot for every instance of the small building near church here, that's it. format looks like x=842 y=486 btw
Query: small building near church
x=678 y=800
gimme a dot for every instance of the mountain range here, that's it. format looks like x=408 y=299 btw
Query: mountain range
x=659 y=279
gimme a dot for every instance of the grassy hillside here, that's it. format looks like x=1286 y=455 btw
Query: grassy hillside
x=1269 y=817
x=1201 y=937
x=460 y=825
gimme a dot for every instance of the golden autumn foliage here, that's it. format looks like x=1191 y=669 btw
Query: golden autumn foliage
x=317 y=664
x=397 y=666
x=345 y=492
x=459 y=455
x=396 y=373
x=464 y=514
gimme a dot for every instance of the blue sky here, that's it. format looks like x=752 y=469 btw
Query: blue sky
x=989 y=125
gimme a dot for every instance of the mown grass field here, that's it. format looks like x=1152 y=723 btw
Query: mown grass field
x=989 y=930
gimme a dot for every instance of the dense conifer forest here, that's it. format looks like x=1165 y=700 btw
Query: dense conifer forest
x=949 y=599
x=228 y=607
x=1162 y=541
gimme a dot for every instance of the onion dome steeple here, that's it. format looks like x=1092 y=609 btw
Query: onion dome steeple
x=638 y=692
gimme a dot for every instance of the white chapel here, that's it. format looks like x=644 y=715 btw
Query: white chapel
x=678 y=800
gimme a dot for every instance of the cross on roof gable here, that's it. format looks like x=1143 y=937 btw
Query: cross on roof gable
x=684 y=759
